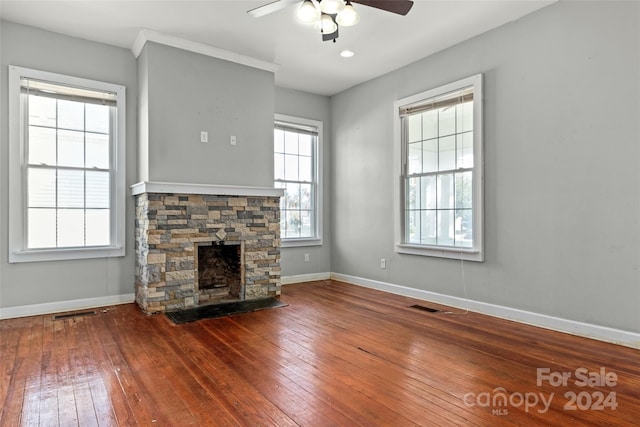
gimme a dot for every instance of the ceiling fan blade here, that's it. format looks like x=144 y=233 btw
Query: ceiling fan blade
x=401 y=7
x=271 y=7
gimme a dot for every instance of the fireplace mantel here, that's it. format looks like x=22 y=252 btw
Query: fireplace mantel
x=204 y=189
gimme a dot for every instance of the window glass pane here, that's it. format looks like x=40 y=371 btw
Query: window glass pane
x=413 y=226
x=292 y=196
x=41 y=188
x=41 y=228
x=305 y=145
x=415 y=158
x=97 y=117
x=305 y=224
x=447 y=121
x=428 y=228
x=447 y=159
x=430 y=124
x=70 y=148
x=97 y=188
x=97 y=227
x=278 y=141
x=430 y=156
x=445 y=191
x=413 y=193
x=70 y=115
x=464 y=117
x=70 y=227
x=414 y=129
x=291 y=168
x=305 y=197
x=291 y=142
x=283 y=223
x=293 y=224
x=445 y=227
x=464 y=190
x=42 y=111
x=97 y=151
x=465 y=150
x=70 y=189
x=464 y=228
x=278 y=166
x=42 y=146
x=428 y=192
x=306 y=168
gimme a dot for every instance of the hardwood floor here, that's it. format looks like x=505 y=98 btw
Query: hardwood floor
x=337 y=355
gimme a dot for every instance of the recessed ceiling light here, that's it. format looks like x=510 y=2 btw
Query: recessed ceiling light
x=347 y=53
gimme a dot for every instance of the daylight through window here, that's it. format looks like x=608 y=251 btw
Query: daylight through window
x=441 y=169
x=295 y=170
x=68 y=145
x=68 y=173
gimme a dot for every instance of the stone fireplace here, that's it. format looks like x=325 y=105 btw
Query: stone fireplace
x=205 y=244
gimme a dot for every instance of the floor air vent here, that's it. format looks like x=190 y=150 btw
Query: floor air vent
x=76 y=314
x=423 y=308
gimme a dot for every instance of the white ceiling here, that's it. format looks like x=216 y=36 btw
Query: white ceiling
x=382 y=41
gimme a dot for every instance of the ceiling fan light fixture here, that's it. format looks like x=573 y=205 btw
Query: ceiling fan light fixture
x=308 y=12
x=326 y=24
x=348 y=17
x=331 y=7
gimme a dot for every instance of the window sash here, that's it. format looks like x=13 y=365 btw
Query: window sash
x=59 y=208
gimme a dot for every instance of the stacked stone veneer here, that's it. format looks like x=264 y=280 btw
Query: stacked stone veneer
x=168 y=229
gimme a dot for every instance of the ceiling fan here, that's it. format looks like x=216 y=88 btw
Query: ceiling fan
x=328 y=14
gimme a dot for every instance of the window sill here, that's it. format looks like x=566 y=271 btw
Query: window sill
x=296 y=243
x=441 y=252
x=64 y=254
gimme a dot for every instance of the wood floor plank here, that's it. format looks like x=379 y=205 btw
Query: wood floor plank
x=337 y=355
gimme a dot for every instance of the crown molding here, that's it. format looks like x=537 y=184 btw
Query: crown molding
x=146 y=35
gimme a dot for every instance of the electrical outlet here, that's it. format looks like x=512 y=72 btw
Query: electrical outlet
x=306 y=257
x=204 y=136
x=383 y=263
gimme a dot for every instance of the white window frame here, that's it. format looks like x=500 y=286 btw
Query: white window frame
x=317 y=241
x=476 y=252
x=18 y=251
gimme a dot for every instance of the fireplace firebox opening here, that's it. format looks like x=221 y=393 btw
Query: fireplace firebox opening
x=220 y=272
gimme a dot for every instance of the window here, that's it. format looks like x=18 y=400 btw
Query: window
x=440 y=145
x=297 y=171
x=67 y=178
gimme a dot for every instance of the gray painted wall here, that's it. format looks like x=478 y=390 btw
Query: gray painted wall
x=562 y=167
x=40 y=282
x=316 y=107
x=187 y=93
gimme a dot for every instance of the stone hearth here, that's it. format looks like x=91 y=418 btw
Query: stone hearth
x=174 y=220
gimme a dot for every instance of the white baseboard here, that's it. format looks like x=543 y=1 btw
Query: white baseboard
x=60 y=306
x=287 y=280
x=601 y=333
